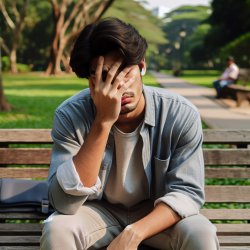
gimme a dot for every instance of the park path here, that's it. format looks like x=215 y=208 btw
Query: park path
x=217 y=114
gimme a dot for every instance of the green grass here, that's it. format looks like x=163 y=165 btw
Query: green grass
x=201 y=77
x=35 y=97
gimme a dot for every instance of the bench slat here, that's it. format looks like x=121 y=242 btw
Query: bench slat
x=43 y=172
x=23 y=172
x=234 y=240
x=235 y=248
x=227 y=172
x=25 y=136
x=25 y=156
x=23 y=216
x=227 y=194
x=20 y=228
x=23 y=248
x=226 y=157
x=22 y=240
x=226 y=214
x=226 y=136
x=221 y=136
x=42 y=156
x=233 y=229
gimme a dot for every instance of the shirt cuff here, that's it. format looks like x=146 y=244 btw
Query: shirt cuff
x=70 y=182
x=183 y=205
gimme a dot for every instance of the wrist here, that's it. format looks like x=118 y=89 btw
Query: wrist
x=102 y=124
x=137 y=233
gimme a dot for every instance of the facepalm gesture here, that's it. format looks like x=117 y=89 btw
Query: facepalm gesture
x=107 y=91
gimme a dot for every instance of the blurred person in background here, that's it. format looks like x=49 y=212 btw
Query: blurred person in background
x=229 y=76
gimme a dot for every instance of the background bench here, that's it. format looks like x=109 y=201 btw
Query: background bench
x=239 y=91
x=31 y=149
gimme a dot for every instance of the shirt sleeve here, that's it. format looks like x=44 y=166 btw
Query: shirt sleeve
x=66 y=192
x=70 y=182
x=184 y=178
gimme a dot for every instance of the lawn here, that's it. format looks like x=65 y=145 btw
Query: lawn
x=35 y=97
x=201 y=77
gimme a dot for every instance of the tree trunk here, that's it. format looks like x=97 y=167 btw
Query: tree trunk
x=4 y=105
x=13 y=63
x=75 y=21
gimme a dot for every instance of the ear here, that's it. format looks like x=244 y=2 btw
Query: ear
x=143 y=67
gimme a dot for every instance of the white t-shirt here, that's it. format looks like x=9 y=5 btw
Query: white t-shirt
x=127 y=180
x=231 y=72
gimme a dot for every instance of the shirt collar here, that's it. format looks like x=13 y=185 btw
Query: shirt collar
x=150 y=106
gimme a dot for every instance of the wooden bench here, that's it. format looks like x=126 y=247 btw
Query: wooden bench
x=244 y=76
x=239 y=92
x=223 y=166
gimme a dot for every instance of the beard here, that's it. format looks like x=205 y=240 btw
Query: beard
x=130 y=107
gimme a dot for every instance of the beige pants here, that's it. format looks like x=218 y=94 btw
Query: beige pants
x=97 y=223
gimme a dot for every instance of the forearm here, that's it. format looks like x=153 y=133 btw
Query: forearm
x=161 y=218
x=88 y=160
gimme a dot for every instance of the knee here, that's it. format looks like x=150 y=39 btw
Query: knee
x=199 y=234
x=58 y=233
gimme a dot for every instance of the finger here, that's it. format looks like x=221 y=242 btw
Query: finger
x=91 y=87
x=120 y=79
x=131 y=73
x=98 y=72
x=126 y=85
x=112 y=72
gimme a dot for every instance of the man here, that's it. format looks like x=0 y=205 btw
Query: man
x=229 y=76
x=127 y=166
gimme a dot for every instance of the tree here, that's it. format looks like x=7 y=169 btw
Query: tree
x=180 y=25
x=4 y=105
x=14 y=13
x=229 y=20
x=70 y=16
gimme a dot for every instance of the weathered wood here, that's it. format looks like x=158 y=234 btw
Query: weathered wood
x=226 y=214
x=25 y=136
x=20 y=229
x=233 y=229
x=236 y=157
x=18 y=248
x=43 y=172
x=25 y=156
x=22 y=240
x=227 y=172
x=234 y=240
x=22 y=216
x=227 y=194
x=226 y=136
x=235 y=248
x=23 y=172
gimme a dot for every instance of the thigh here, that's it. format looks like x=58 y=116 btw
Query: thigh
x=92 y=226
x=194 y=232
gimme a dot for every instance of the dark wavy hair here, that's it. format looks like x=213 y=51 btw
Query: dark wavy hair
x=106 y=36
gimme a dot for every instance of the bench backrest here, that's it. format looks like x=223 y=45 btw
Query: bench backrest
x=226 y=156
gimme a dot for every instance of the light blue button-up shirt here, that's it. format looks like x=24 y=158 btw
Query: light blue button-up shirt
x=171 y=153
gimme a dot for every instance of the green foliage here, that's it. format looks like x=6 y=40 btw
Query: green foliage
x=142 y=19
x=229 y=20
x=5 y=63
x=23 y=68
x=240 y=49
x=185 y=30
